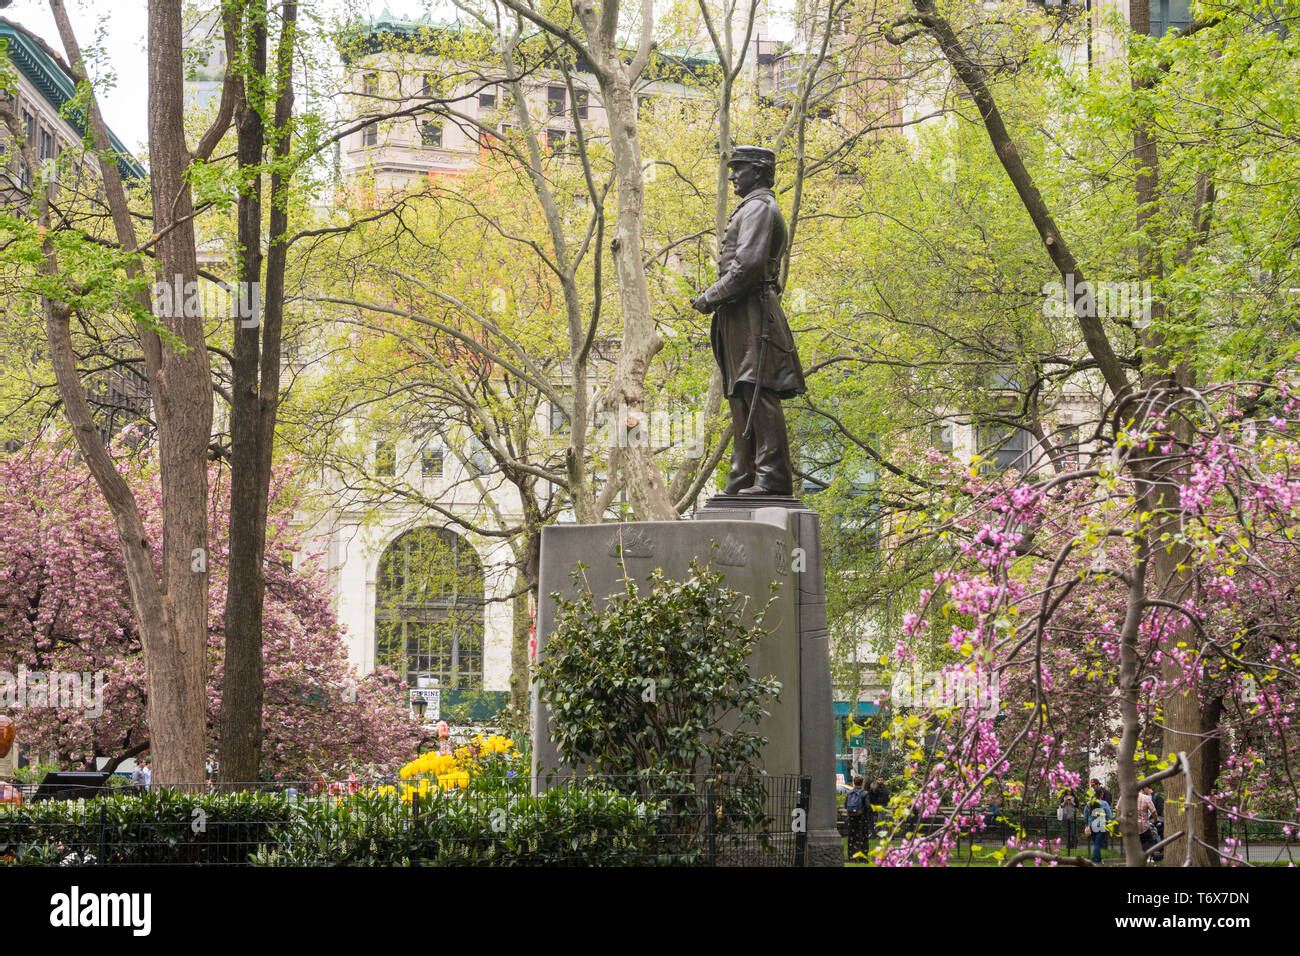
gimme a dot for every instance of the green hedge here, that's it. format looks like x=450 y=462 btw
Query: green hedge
x=155 y=827
x=373 y=829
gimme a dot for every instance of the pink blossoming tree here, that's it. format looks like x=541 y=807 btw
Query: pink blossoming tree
x=64 y=607
x=1052 y=607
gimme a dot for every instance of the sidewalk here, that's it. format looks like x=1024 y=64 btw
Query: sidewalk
x=1256 y=853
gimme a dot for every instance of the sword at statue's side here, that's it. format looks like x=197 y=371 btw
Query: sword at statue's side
x=758 y=379
x=767 y=285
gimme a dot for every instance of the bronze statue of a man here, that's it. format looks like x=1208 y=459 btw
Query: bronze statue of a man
x=750 y=335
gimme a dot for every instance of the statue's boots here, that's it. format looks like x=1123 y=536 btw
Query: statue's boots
x=742 y=448
x=771 y=446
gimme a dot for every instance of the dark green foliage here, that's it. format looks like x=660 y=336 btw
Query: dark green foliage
x=654 y=688
x=157 y=827
x=656 y=683
x=584 y=827
x=560 y=827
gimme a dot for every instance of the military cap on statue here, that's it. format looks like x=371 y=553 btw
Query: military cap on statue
x=758 y=155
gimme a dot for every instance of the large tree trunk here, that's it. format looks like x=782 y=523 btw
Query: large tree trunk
x=625 y=394
x=641 y=342
x=255 y=396
x=1184 y=727
x=177 y=666
x=171 y=612
x=1128 y=688
x=520 y=658
x=241 y=685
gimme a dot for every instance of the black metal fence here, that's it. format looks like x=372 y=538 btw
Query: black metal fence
x=1041 y=824
x=584 y=820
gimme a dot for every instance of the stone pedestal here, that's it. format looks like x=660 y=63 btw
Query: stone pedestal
x=816 y=717
x=753 y=542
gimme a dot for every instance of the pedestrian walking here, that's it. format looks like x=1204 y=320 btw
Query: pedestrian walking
x=1098 y=817
x=1148 y=820
x=1067 y=813
x=1100 y=792
x=877 y=801
x=856 y=816
x=141 y=776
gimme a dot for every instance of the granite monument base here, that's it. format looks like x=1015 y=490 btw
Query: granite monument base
x=753 y=541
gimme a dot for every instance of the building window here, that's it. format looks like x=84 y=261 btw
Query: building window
x=487 y=101
x=477 y=457
x=819 y=455
x=29 y=123
x=941 y=437
x=557 y=141
x=489 y=140
x=1005 y=378
x=430 y=133
x=1004 y=447
x=429 y=609
x=580 y=104
x=855 y=533
x=370 y=135
x=1070 y=446
x=431 y=462
x=559 y=424
x=47 y=144
x=555 y=97
x=426 y=85
x=385 y=459
x=1169 y=15
x=644 y=104
x=371 y=84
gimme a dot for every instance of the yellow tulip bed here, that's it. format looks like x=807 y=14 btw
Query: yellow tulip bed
x=487 y=761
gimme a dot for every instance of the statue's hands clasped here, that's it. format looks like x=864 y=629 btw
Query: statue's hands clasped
x=700 y=305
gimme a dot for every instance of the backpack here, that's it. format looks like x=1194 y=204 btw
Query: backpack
x=853 y=803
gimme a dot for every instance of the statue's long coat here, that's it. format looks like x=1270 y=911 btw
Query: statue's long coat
x=747 y=297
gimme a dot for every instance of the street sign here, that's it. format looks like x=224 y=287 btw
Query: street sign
x=432 y=696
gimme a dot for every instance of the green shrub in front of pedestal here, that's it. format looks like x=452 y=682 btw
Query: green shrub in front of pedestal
x=656 y=683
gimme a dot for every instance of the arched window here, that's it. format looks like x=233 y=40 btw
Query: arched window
x=429 y=609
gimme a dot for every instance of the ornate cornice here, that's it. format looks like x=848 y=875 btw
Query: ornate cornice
x=45 y=70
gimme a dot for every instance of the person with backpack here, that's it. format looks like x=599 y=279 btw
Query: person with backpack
x=1099 y=821
x=1100 y=791
x=1098 y=818
x=856 y=816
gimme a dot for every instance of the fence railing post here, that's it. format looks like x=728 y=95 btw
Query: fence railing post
x=710 y=823
x=803 y=801
x=103 y=838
